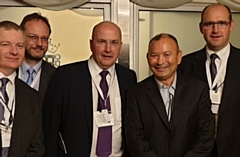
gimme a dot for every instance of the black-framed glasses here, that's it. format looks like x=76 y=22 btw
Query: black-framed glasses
x=35 y=38
x=220 y=24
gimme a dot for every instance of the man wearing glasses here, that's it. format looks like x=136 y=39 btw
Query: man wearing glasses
x=35 y=71
x=218 y=65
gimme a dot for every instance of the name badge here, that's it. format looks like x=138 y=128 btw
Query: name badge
x=6 y=132
x=103 y=118
x=215 y=97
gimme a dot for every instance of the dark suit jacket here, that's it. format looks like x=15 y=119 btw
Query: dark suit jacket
x=190 y=132
x=27 y=133
x=46 y=74
x=68 y=108
x=228 y=133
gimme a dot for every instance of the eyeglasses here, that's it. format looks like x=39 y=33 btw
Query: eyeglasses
x=105 y=42
x=35 y=38
x=220 y=24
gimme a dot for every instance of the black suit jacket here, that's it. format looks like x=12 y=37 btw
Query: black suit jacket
x=27 y=133
x=190 y=132
x=68 y=108
x=228 y=131
x=46 y=74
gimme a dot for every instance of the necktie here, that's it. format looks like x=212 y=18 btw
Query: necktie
x=5 y=97
x=104 y=142
x=213 y=67
x=30 y=72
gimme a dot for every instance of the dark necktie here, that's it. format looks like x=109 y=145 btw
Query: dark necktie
x=30 y=72
x=5 y=97
x=213 y=67
x=104 y=142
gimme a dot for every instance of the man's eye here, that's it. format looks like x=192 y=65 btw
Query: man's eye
x=20 y=46
x=5 y=44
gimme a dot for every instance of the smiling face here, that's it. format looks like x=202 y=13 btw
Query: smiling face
x=163 y=59
x=216 y=38
x=106 y=44
x=35 y=50
x=11 y=50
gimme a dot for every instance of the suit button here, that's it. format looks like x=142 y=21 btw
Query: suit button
x=166 y=144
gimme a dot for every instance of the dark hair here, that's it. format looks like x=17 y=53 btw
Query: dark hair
x=8 y=25
x=228 y=9
x=163 y=35
x=35 y=16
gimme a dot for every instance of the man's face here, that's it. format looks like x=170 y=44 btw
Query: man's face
x=163 y=59
x=11 y=50
x=37 y=35
x=106 y=45
x=216 y=38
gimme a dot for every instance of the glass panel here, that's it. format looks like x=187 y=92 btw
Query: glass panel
x=183 y=25
x=71 y=31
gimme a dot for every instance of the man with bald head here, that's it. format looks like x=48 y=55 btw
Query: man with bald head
x=218 y=65
x=84 y=105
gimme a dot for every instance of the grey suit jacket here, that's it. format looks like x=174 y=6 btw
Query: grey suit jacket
x=27 y=133
x=190 y=132
x=68 y=108
x=228 y=133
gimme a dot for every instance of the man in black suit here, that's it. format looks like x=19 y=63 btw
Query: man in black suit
x=20 y=113
x=168 y=114
x=37 y=30
x=73 y=111
x=222 y=75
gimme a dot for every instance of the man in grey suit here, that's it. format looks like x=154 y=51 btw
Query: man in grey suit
x=79 y=107
x=35 y=71
x=20 y=112
x=218 y=65
x=168 y=114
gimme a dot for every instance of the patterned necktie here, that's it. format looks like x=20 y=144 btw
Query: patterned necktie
x=104 y=142
x=30 y=72
x=213 y=67
x=5 y=97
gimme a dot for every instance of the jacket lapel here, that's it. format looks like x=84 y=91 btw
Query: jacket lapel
x=179 y=96
x=154 y=95
x=199 y=66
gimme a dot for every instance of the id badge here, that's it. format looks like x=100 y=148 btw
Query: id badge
x=103 y=118
x=6 y=132
x=215 y=97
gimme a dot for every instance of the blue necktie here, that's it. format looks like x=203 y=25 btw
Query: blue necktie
x=30 y=72
x=104 y=142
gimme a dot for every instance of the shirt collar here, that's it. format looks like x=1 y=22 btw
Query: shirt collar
x=222 y=54
x=10 y=77
x=96 y=69
x=171 y=89
x=25 y=66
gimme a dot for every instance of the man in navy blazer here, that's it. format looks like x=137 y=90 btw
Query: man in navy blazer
x=168 y=114
x=71 y=102
x=216 y=25
x=21 y=127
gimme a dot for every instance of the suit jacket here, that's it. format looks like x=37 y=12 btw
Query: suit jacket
x=46 y=74
x=68 y=108
x=27 y=133
x=228 y=130
x=190 y=132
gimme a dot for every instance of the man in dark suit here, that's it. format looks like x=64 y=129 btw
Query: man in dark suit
x=222 y=75
x=35 y=71
x=73 y=111
x=20 y=113
x=168 y=114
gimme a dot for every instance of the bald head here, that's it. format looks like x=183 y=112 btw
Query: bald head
x=106 y=25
